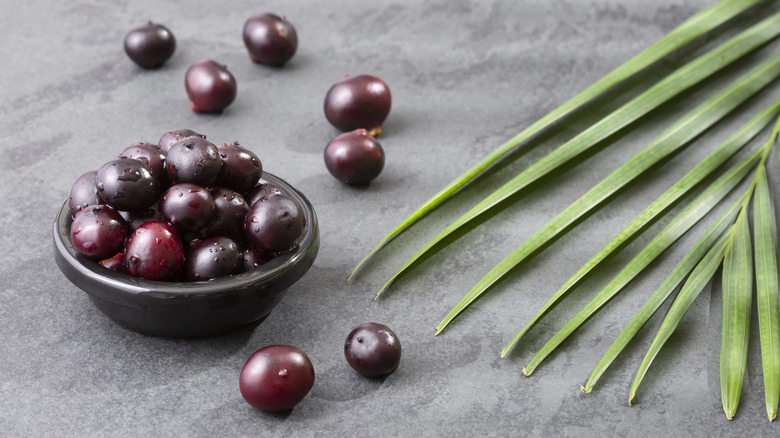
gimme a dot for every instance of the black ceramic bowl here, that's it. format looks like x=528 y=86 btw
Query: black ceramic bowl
x=193 y=309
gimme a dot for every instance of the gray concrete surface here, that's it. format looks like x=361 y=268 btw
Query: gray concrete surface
x=465 y=76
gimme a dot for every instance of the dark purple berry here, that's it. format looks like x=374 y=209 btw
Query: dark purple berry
x=134 y=219
x=229 y=214
x=115 y=263
x=270 y=39
x=193 y=160
x=274 y=224
x=276 y=378
x=241 y=168
x=212 y=258
x=169 y=138
x=84 y=193
x=354 y=157
x=190 y=239
x=126 y=184
x=98 y=232
x=149 y=154
x=210 y=86
x=154 y=252
x=261 y=191
x=254 y=258
x=189 y=207
x=150 y=46
x=358 y=102
x=373 y=350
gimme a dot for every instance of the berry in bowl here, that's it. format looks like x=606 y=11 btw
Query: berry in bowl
x=178 y=250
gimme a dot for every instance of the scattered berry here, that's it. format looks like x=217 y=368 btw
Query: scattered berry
x=150 y=46
x=276 y=378
x=373 y=350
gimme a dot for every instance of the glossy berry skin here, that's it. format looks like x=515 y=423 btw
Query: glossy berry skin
x=210 y=86
x=84 y=193
x=276 y=378
x=154 y=251
x=115 y=263
x=169 y=138
x=354 y=157
x=98 y=232
x=241 y=168
x=134 y=219
x=193 y=160
x=229 y=214
x=254 y=258
x=212 y=258
x=149 y=154
x=188 y=207
x=150 y=46
x=270 y=39
x=274 y=223
x=127 y=184
x=373 y=350
x=358 y=102
x=261 y=191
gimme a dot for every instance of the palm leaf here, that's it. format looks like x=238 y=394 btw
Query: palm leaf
x=683 y=268
x=674 y=137
x=766 y=292
x=702 y=170
x=680 y=224
x=699 y=24
x=689 y=292
x=680 y=80
x=665 y=289
x=735 y=315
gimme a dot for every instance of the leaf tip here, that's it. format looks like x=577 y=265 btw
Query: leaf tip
x=527 y=372
x=355 y=270
x=383 y=288
x=376 y=297
x=585 y=390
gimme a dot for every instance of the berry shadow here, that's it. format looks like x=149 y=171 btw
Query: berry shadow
x=299 y=62
x=279 y=416
x=394 y=125
x=342 y=383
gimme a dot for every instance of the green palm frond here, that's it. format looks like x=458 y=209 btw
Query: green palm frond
x=735 y=316
x=767 y=292
x=766 y=275
x=686 y=128
x=693 y=286
x=679 y=189
x=672 y=85
x=704 y=21
x=666 y=288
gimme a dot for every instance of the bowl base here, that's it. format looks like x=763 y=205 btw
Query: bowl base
x=177 y=325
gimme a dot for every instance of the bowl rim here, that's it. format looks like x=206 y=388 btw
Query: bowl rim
x=127 y=284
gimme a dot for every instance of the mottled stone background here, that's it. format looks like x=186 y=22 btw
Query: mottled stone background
x=465 y=76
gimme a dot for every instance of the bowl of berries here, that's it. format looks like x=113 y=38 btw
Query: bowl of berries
x=185 y=238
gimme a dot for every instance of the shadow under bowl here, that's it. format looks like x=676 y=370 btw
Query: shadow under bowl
x=189 y=309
